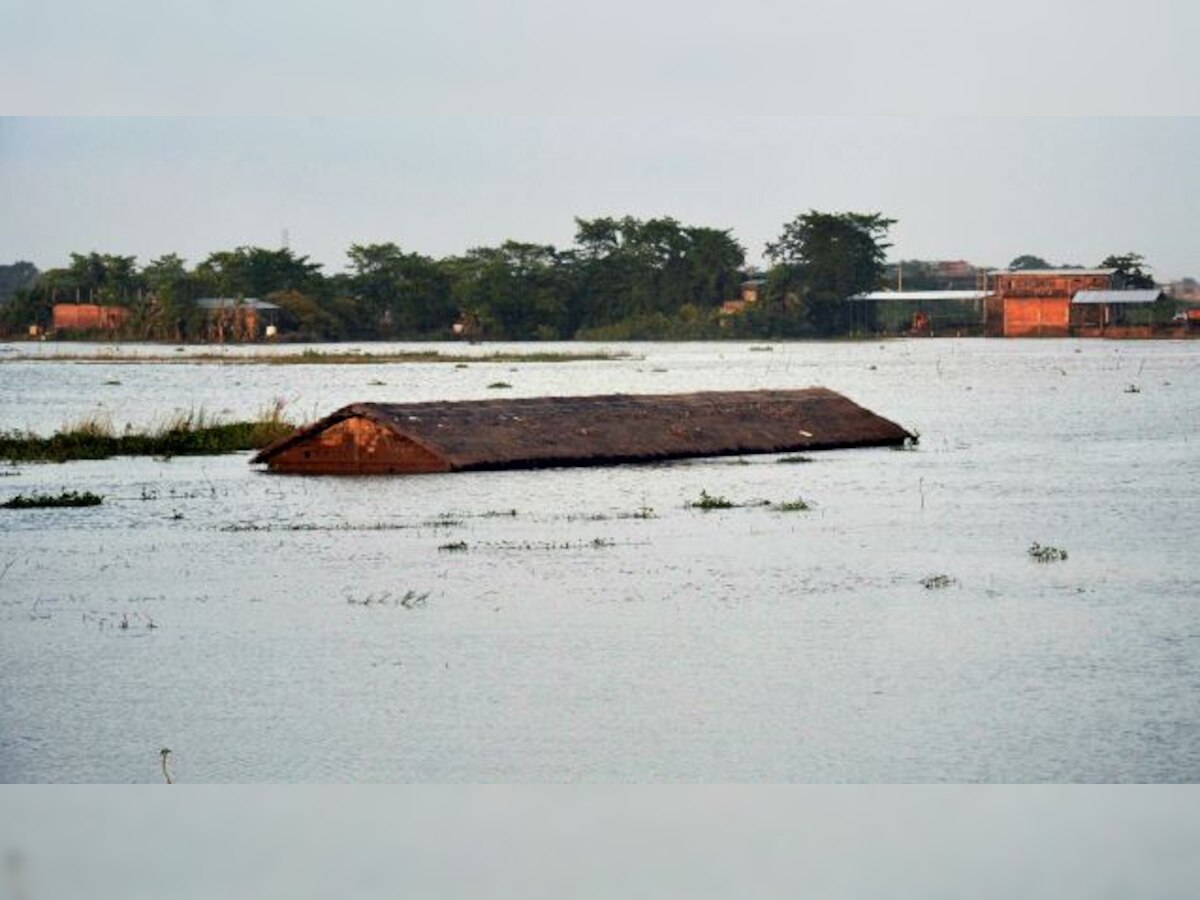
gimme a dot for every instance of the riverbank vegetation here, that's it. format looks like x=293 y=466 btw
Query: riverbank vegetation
x=622 y=278
x=187 y=434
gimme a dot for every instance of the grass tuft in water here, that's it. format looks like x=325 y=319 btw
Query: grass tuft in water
x=52 y=501
x=1041 y=554
x=454 y=547
x=794 y=460
x=707 y=501
x=797 y=505
x=936 y=582
x=408 y=600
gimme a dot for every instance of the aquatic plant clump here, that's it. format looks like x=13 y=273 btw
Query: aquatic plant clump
x=52 y=501
x=410 y=599
x=1041 y=554
x=935 y=582
x=707 y=501
x=797 y=505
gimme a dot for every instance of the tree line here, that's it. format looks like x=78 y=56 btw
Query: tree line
x=624 y=278
x=621 y=279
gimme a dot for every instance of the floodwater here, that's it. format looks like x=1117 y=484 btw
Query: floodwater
x=596 y=628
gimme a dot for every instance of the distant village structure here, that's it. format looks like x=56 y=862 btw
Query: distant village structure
x=933 y=298
x=87 y=317
x=225 y=319
x=238 y=319
x=1037 y=302
x=1066 y=302
x=748 y=293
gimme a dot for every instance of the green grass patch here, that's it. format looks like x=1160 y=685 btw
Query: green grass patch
x=53 y=501
x=796 y=505
x=189 y=434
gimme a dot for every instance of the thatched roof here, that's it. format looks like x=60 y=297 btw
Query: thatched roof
x=560 y=431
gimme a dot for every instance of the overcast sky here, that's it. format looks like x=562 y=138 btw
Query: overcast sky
x=1071 y=190
x=483 y=121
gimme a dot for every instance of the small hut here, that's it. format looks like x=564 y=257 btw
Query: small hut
x=542 y=432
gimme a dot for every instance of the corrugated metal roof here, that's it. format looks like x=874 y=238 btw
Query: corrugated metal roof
x=539 y=432
x=1137 y=296
x=231 y=302
x=922 y=296
x=1044 y=272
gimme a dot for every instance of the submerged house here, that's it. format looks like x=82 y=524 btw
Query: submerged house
x=543 y=432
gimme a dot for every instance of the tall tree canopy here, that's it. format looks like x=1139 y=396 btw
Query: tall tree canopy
x=257 y=272
x=1131 y=270
x=820 y=259
x=400 y=294
x=1028 y=261
x=16 y=276
x=630 y=267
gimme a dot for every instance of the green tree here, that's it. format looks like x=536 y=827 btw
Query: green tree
x=98 y=278
x=170 y=311
x=257 y=272
x=1028 y=261
x=515 y=291
x=15 y=277
x=400 y=294
x=1130 y=270
x=632 y=269
x=821 y=259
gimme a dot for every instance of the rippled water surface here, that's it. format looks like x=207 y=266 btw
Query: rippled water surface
x=596 y=627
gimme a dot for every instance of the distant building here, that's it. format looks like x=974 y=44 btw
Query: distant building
x=468 y=326
x=87 y=317
x=1132 y=313
x=238 y=319
x=1186 y=289
x=919 y=312
x=750 y=292
x=1037 y=302
x=751 y=289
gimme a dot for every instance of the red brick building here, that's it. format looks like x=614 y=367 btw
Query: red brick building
x=87 y=317
x=1037 y=302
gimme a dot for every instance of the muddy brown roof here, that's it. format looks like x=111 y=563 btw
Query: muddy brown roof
x=551 y=431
